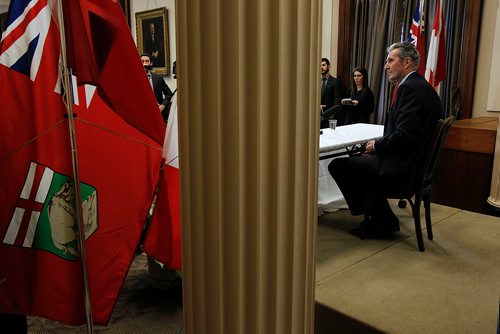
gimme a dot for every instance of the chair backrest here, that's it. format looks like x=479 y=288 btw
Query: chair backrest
x=431 y=158
x=330 y=113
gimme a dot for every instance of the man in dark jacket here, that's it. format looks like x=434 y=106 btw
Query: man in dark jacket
x=330 y=90
x=161 y=90
x=390 y=162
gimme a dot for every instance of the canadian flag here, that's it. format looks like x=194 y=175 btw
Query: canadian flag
x=435 y=70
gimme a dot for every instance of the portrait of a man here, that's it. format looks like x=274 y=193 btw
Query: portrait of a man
x=152 y=38
x=153 y=41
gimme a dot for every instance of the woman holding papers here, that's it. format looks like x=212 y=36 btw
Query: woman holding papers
x=361 y=103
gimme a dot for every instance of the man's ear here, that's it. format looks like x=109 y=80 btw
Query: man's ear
x=407 y=62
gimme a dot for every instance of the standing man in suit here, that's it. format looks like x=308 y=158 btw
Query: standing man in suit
x=330 y=90
x=161 y=90
x=390 y=163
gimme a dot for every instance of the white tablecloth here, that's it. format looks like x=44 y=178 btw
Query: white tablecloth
x=330 y=198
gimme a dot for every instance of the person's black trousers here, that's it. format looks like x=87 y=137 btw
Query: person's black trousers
x=362 y=186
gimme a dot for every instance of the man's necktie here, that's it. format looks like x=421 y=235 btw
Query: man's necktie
x=323 y=85
x=394 y=95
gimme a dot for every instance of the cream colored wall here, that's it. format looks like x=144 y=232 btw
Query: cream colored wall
x=326 y=38
x=334 y=34
x=485 y=58
x=330 y=33
x=142 y=5
x=4 y=5
x=494 y=89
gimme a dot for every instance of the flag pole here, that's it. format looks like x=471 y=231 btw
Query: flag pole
x=68 y=99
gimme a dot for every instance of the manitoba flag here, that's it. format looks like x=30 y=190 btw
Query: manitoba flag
x=118 y=164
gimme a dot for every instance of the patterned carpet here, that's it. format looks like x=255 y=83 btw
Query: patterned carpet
x=140 y=309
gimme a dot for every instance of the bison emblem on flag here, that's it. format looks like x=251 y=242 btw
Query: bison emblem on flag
x=44 y=217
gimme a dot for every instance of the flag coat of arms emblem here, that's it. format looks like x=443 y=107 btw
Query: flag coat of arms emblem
x=44 y=216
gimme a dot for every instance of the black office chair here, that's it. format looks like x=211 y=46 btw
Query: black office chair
x=330 y=113
x=421 y=189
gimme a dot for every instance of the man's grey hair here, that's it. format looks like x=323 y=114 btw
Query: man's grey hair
x=406 y=50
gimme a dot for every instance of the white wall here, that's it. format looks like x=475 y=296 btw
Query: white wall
x=330 y=33
x=142 y=5
x=485 y=56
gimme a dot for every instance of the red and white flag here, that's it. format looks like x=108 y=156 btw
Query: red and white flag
x=163 y=238
x=118 y=162
x=101 y=50
x=435 y=71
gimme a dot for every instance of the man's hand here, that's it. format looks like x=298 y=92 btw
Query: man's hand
x=161 y=107
x=370 y=148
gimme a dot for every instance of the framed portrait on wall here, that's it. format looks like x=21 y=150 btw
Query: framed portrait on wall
x=152 y=38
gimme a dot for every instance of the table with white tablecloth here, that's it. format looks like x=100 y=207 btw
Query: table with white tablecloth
x=333 y=144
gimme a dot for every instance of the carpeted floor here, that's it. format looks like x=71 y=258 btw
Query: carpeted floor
x=140 y=309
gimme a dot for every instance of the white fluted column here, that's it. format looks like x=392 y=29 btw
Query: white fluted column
x=248 y=100
x=494 y=198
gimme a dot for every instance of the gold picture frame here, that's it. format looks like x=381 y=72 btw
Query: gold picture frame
x=152 y=38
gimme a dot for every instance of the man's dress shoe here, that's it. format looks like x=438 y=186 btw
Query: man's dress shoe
x=375 y=230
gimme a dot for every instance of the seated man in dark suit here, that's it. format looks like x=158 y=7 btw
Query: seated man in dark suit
x=330 y=91
x=391 y=161
x=161 y=90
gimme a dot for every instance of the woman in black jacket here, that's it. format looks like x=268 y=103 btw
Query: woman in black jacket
x=361 y=103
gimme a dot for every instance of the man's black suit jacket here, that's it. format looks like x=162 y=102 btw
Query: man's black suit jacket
x=330 y=96
x=162 y=92
x=409 y=127
x=411 y=121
